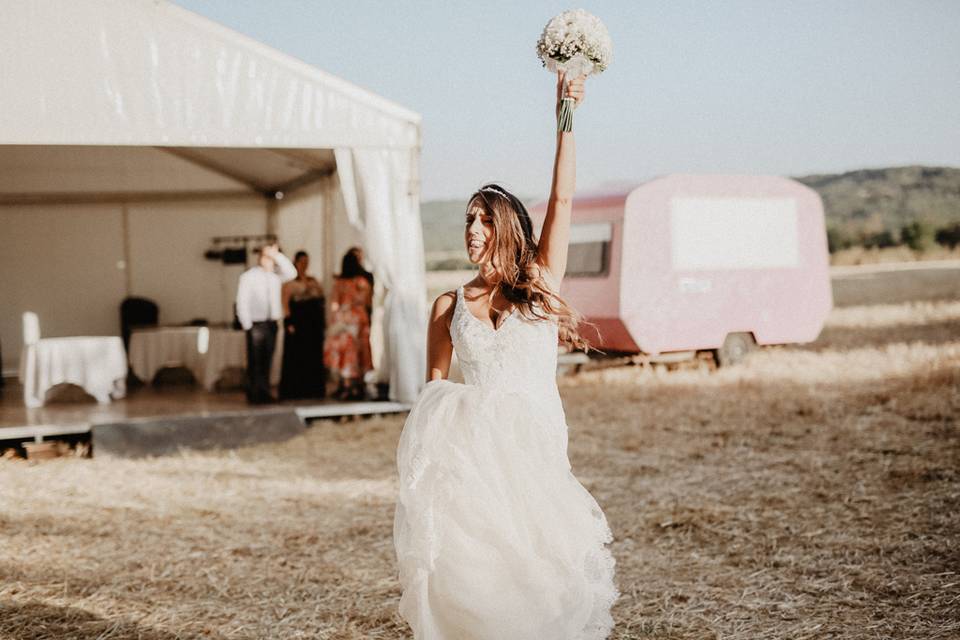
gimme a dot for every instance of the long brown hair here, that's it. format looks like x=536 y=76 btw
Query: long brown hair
x=515 y=256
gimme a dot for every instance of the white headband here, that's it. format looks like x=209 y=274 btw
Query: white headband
x=495 y=189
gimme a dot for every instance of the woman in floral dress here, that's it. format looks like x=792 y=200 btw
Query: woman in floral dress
x=347 y=349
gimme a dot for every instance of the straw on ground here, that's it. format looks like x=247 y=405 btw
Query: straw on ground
x=810 y=493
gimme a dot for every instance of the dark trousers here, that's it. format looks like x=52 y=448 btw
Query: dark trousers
x=261 y=341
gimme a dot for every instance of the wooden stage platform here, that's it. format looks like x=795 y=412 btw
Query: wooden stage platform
x=159 y=420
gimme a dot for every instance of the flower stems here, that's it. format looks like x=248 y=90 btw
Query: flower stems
x=565 y=115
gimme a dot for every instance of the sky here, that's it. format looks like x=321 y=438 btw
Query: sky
x=739 y=86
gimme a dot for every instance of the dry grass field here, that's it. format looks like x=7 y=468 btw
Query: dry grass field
x=861 y=255
x=809 y=493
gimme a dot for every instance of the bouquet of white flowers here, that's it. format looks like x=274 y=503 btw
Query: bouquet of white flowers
x=577 y=43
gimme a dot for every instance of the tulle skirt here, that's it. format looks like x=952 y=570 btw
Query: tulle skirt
x=495 y=537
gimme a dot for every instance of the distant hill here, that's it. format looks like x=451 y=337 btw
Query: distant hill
x=442 y=225
x=858 y=204
x=871 y=201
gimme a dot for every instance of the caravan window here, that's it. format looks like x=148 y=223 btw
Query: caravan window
x=710 y=234
x=589 y=253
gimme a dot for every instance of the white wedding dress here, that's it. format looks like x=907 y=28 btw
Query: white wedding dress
x=495 y=537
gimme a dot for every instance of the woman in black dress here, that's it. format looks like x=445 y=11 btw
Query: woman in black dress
x=303 y=374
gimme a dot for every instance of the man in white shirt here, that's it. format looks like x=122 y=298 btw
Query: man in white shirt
x=258 y=310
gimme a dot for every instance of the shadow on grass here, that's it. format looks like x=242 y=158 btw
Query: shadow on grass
x=34 y=620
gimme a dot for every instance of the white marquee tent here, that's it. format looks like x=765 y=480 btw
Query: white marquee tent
x=134 y=131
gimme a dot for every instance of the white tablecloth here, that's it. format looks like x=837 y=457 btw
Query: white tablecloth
x=206 y=352
x=97 y=364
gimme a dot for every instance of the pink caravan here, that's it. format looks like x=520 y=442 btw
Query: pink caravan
x=687 y=263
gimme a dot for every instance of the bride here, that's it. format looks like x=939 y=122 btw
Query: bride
x=495 y=537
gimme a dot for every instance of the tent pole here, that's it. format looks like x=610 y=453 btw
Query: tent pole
x=273 y=208
x=329 y=265
x=127 y=276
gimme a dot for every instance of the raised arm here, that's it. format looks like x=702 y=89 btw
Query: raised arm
x=285 y=268
x=439 y=344
x=555 y=237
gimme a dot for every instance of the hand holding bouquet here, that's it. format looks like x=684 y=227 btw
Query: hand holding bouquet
x=569 y=90
x=576 y=44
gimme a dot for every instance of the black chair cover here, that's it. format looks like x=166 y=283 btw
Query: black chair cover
x=136 y=312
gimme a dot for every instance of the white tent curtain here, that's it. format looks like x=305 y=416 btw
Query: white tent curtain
x=377 y=188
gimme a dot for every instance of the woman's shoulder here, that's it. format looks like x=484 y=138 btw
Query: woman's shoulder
x=354 y=281
x=445 y=300
x=358 y=281
x=444 y=304
x=313 y=286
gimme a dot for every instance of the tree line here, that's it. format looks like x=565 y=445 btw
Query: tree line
x=917 y=235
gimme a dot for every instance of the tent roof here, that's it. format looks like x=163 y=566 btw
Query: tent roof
x=47 y=174
x=150 y=73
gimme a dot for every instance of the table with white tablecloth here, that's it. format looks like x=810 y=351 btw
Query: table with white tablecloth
x=97 y=364
x=206 y=351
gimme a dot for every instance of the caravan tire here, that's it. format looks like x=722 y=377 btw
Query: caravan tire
x=736 y=347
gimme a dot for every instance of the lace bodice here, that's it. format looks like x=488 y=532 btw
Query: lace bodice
x=520 y=356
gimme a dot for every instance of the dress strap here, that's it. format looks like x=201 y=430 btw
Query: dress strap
x=459 y=304
x=457 y=318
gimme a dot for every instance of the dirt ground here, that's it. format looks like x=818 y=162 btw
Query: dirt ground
x=808 y=493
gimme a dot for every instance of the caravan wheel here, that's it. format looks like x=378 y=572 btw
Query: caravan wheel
x=735 y=348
